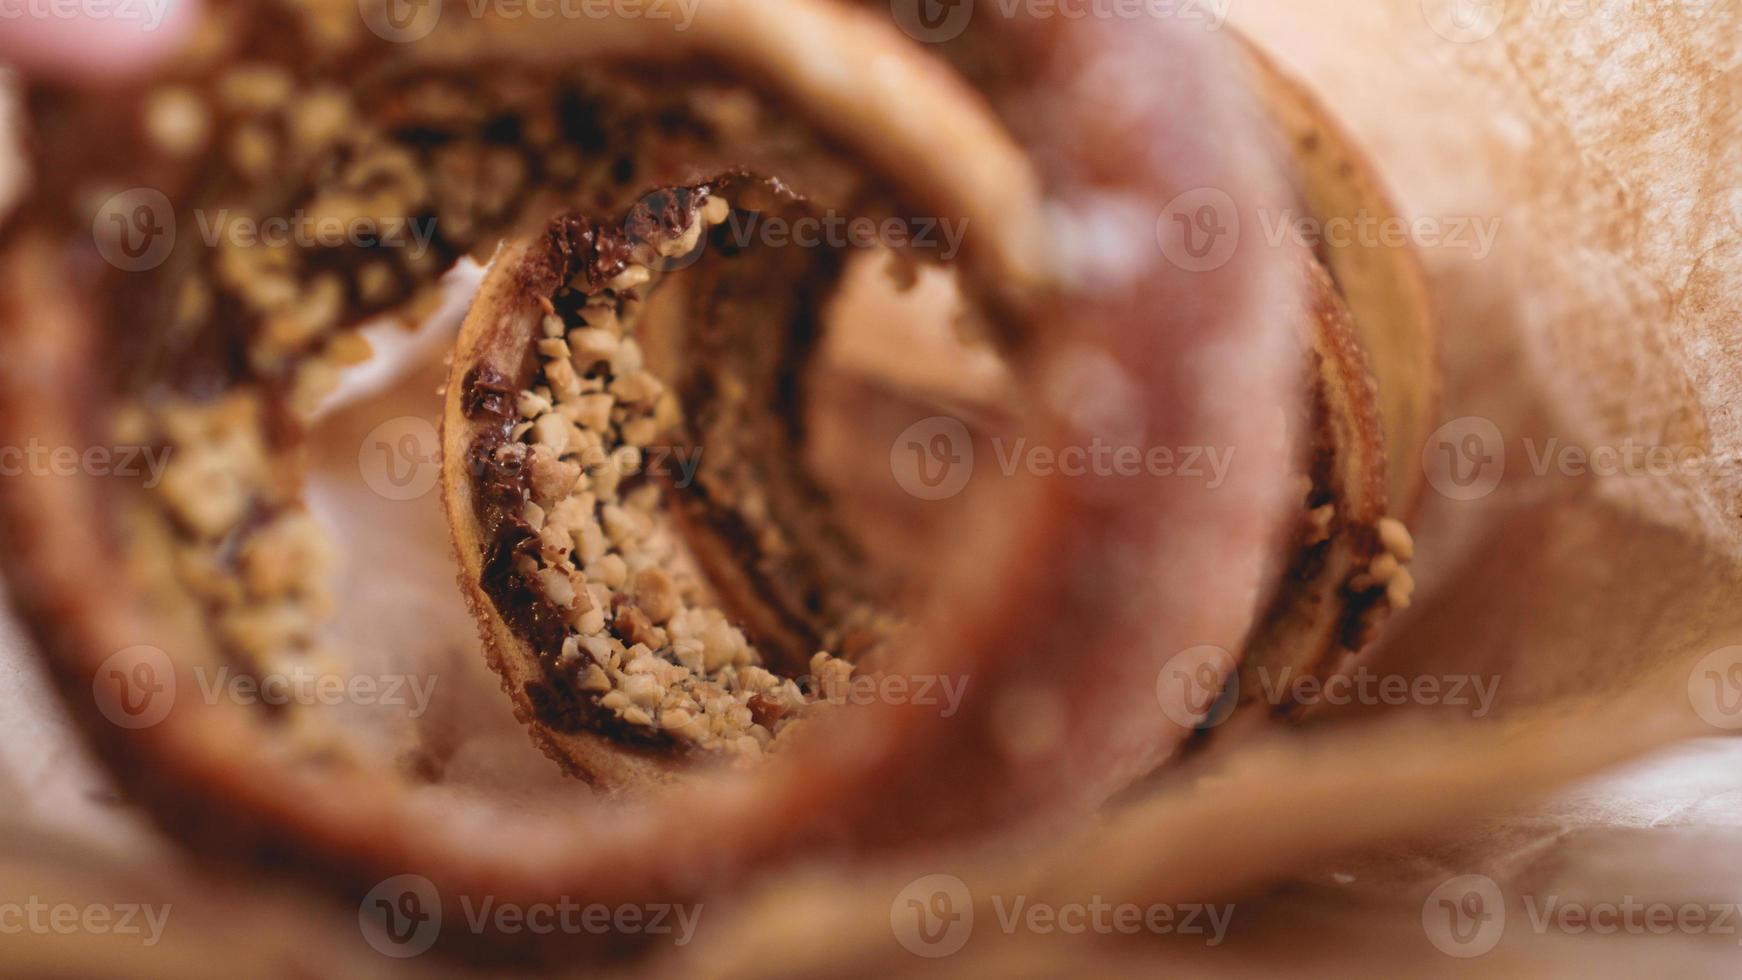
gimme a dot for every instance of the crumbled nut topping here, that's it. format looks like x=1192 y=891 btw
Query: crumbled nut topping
x=1396 y=539
x=259 y=564
x=643 y=637
x=1387 y=571
x=177 y=121
x=428 y=165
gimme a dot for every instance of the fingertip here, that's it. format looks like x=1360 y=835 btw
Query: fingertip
x=94 y=40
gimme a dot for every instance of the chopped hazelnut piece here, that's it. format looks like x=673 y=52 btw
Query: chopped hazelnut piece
x=1400 y=589
x=657 y=594
x=1396 y=539
x=177 y=121
x=654 y=652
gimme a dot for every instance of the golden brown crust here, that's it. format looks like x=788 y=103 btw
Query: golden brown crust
x=1373 y=378
x=1315 y=617
x=499 y=328
x=1042 y=599
x=1382 y=284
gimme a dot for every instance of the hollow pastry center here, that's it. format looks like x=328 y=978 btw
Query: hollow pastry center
x=642 y=640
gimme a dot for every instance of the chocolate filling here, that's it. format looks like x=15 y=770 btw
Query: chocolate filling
x=575 y=262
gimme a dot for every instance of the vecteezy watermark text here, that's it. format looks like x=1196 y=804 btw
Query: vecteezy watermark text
x=943 y=692
x=137 y=687
x=569 y=917
x=1465 y=916
x=405 y=21
x=1630 y=457
x=830 y=229
x=1467 y=458
x=306 y=686
x=135 y=230
x=35 y=916
x=299 y=229
x=940 y=691
x=403 y=916
x=400 y=459
x=933 y=459
x=1102 y=917
x=938 y=21
x=149 y=14
x=1102 y=458
x=934 y=916
x=1367 y=230
x=34 y=458
x=1365 y=687
x=1199 y=687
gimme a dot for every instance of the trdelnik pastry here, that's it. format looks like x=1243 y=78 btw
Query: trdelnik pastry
x=673 y=642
